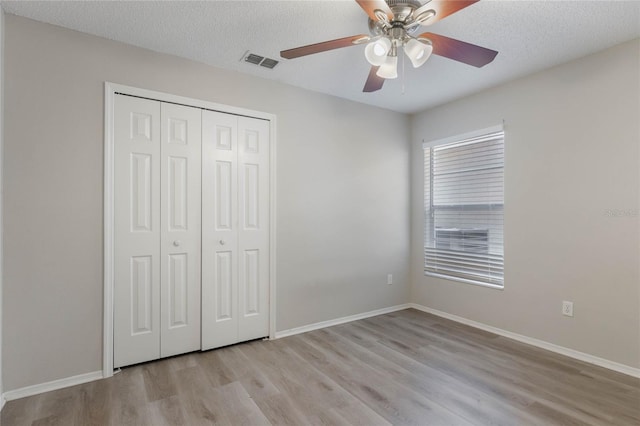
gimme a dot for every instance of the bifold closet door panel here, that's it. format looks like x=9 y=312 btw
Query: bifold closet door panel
x=137 y=230
x=180 y=147
x=253 y=228
x=219 y=229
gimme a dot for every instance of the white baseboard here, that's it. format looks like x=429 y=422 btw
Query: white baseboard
x=3 y=401
x=591 y=359
x=329 y=323
x=53 y=385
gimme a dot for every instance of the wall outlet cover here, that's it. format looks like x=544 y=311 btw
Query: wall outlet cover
x=567 y=308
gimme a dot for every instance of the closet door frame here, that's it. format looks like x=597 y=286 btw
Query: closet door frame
x=110 y=90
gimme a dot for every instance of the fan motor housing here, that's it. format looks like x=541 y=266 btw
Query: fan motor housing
x=402 y=10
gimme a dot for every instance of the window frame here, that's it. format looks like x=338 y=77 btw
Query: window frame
x=448 y=140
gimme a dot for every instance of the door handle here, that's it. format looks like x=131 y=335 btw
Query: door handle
x=176 y=243
x=222 y=242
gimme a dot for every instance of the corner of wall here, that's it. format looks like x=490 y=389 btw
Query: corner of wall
x=415 y=218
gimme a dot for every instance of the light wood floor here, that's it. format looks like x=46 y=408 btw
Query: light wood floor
x=407 y=367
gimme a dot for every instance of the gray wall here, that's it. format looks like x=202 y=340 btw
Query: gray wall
x=342 y=196
x=572 y=153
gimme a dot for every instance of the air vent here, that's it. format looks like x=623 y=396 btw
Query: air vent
x=260 y=60
x=268 y=63
x=254 y=59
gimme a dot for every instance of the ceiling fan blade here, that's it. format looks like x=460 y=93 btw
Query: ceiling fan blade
x=370 y=6
x=324 y=46
x=460 y=51
x=442 y=8
x=373 y=81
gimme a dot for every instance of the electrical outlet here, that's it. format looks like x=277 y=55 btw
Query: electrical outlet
x=389 y=279
x=567 y=308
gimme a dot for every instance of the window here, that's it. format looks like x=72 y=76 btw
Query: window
x=464 y=208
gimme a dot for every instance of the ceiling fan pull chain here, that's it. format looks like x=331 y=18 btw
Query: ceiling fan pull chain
x=403 y=79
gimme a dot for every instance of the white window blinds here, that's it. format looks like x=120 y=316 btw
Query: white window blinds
x=464 y=209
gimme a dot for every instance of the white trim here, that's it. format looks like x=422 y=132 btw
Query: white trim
x=110 y=89
x=572 y=353
x=337 y=321
x=198 y=103
x=53 y=385
x=108 y=235
x=3 y=401
x=272 y=229
x=468 y=135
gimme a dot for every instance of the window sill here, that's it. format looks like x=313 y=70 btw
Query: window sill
x=464 y=280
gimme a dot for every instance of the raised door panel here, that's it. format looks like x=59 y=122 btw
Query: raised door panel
x=140 y=190
x=178 y=291
x=181 y=144
x=224 y=209
x=253 y=231
x=224 y=286
x=219 y=229
x=252 y=293
x=177 y=191
x=137 y=230
x=141 y=294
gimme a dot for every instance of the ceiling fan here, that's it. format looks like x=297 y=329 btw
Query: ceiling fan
x=392 y=24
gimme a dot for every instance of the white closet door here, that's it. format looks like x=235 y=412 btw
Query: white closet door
x=219 y=230
x=253 y=228
x=181 y=136
x=137 y=230
x=235 y=224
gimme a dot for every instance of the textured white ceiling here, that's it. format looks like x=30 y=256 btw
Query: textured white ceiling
x=530 y=36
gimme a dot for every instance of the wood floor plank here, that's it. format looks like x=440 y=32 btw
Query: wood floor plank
x=159 y=380
x=394 y=402
x=279 y=410
x=548 y=384
x=310 y=391
x=557 y=378
x=403 y=368
x=21 y=411
x=129 y=398
x=52 y=420
x=468 y=368
x=317 y=388
x=59 y=407
x=474 y=405
x=166 y=412
x=239 y=407
x=359 y=414
x=495 y=381
x=201 y=405
x=252 y=379
x=215 y=370
x=95 y=402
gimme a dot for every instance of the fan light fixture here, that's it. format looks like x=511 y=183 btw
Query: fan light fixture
x=376 y=51
x=383 y=53
x=389 y=69
x=418 y=51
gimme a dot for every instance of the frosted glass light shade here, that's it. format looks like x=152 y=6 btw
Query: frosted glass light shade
x=417 y=51
x=389 y=69
x=376 y=51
